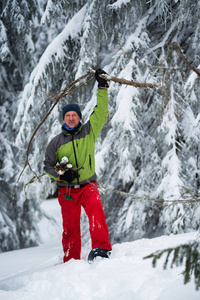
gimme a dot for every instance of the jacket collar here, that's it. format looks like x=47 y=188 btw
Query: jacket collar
x=74 y=131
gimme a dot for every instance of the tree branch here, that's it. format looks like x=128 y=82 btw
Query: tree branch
x=127 y=82
x=176 y=47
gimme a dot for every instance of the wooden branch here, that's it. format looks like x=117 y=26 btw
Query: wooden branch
x=176 y=47
x=127 y=82
x=160 y=202
x=67 y=90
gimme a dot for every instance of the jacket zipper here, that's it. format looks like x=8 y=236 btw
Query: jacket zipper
x=75 y=156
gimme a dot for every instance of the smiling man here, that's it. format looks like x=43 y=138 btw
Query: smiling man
x=71 y=115
x=77 y=186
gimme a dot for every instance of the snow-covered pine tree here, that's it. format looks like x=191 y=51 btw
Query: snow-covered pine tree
x=16 y=61
x=190 y=152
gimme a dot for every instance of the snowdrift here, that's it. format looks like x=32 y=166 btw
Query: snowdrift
x=38 y=273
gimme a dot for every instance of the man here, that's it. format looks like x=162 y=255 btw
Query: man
x=77 y=185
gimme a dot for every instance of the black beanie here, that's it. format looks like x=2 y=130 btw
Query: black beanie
x=72 y=107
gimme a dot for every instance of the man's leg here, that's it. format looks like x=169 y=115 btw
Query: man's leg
x=92 y=204
x=71 y=238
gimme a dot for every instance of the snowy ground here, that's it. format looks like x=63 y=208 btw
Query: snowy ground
x=38 y=274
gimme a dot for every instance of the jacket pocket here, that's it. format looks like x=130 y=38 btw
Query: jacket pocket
x=90 y=162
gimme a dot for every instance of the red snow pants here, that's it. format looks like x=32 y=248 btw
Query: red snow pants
x=88 y=197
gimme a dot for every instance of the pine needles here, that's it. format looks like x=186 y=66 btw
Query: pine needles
x=189 y=254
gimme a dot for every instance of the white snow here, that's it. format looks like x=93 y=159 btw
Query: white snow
x=118 y=4
x=38 y=273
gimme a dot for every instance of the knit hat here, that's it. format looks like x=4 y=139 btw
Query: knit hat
x=72 y=107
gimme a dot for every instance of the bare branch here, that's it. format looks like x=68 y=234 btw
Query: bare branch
x=127 y=82
x=176 y=47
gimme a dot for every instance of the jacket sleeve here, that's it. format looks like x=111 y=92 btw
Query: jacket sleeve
x=99 y=117
x=50 y=160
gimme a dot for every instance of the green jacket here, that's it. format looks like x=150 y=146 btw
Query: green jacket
x=84 y=144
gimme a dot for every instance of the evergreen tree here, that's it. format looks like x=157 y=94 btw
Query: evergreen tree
x=16 y=61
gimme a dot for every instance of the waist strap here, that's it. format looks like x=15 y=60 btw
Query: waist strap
x=79 y=186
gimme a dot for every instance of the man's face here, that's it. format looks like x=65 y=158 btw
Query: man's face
x=72 y=119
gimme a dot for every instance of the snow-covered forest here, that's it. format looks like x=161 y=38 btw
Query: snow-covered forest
x=147 y=155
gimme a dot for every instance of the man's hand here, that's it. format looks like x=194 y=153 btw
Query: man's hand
x=69 y=175
x=102 y=83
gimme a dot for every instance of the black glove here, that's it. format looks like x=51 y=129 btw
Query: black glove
x=102 y=83
x=69 y=175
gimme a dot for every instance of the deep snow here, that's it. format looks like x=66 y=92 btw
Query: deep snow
x=38 y=273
